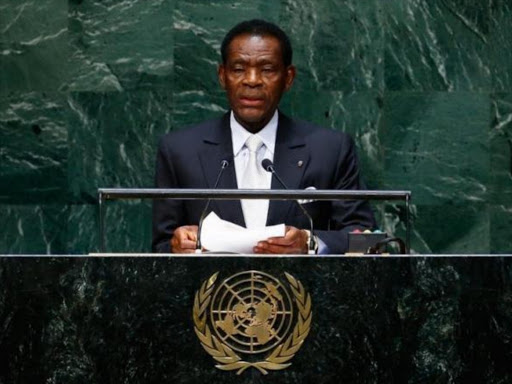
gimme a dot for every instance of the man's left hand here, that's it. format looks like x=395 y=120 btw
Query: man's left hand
x=293 y=242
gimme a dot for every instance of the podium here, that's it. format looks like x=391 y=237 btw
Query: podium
x=219 y=318
x=130 y=318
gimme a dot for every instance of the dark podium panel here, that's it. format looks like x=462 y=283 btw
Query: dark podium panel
x=374 y=320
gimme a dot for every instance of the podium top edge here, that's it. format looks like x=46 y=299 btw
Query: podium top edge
x=273 y=194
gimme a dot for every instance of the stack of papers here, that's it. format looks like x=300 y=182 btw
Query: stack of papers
x=218 y=235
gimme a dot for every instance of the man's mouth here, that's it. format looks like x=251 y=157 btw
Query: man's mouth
x=251 y=101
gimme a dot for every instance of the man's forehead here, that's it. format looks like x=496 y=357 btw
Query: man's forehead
x=257 y=44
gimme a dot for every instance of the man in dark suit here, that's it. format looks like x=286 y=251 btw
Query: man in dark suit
x=256 y=70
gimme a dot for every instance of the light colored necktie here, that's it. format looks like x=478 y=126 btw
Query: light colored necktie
x=255 y=211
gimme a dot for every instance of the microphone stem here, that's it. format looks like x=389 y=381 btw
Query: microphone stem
x=199 y=247
x=311 y=242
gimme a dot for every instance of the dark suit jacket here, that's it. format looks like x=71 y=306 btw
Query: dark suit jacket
x=191 y=158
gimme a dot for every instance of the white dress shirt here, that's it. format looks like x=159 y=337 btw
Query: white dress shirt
x=239 y=136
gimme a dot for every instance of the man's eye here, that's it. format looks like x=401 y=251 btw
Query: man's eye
x=238 y=69
x=268 y=69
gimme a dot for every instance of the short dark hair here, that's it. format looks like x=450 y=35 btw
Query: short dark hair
x=257 y=27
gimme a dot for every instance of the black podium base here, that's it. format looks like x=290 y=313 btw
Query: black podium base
x=373 y=319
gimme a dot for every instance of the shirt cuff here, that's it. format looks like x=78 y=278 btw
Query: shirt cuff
x=323 y=249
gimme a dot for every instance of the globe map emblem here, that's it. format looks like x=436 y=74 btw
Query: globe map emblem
x=252 y=312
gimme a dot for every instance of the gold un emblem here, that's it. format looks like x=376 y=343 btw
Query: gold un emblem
x=250 y=314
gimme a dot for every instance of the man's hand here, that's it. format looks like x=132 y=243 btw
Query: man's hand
x=184 y=239
x=294 y=241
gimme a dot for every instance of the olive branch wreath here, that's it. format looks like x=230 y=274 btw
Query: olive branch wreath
x=228 y=359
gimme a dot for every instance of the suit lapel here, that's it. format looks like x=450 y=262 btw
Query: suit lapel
x=217 y=146
x=291 y=157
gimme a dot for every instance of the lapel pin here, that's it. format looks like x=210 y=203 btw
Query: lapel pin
x=299 y=163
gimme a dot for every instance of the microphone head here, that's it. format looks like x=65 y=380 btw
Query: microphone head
x=267 y=165
x=226 y=160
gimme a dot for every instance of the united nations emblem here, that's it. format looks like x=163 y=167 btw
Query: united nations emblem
x=249 y=314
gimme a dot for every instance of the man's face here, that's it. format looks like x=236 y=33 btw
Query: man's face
x=254 y=77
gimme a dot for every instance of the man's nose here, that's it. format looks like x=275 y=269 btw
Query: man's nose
x=252 y=77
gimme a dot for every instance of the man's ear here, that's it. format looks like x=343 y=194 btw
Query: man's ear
x=222 y=76
x=290 y=76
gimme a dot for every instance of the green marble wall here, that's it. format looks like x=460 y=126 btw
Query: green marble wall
x=88 y=86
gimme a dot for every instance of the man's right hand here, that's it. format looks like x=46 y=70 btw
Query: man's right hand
x=184 y=239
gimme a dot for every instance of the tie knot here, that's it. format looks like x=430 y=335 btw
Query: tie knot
x=253 y=143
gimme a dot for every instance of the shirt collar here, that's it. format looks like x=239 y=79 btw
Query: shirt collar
x=268 y=134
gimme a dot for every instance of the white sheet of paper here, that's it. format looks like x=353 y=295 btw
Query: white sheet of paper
x=218 y=235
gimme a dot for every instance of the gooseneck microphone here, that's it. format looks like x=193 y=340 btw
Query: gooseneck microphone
x=223 y=165
x=269 y=167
